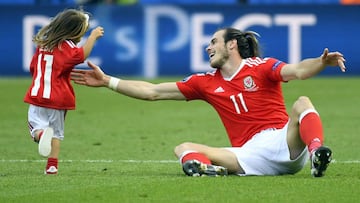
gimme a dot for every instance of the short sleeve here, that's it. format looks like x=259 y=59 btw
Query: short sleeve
x=190 y=87
x=273 y=68
x=74 y=54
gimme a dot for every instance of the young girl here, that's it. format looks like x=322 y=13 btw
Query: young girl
x=51 y=94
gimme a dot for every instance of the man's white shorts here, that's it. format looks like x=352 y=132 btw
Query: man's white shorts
x=41 y=118
x=267 y=153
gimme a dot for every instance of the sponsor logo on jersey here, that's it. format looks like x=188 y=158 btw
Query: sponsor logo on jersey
x=219 y=90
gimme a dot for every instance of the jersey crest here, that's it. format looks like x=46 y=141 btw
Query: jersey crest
x=249 y=84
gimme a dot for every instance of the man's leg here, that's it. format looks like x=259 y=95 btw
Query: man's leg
x=197 y=159
x=305 y=129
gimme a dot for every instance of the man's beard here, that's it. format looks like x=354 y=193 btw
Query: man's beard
x=220 y=62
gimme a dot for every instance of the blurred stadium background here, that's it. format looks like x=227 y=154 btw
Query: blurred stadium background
x=230 y=2
x=151 y=38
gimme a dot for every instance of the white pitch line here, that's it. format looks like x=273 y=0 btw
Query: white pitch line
x=346 y=162
x=94 y=161
x=137 y=161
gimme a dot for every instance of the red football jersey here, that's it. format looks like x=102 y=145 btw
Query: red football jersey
x=50 y=70
x=248 y=102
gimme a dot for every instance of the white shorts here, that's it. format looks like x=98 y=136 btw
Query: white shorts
x=267 y=153
x=40 y=118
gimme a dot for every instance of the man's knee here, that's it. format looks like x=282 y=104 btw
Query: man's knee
x=301 y=104
x=178 y=150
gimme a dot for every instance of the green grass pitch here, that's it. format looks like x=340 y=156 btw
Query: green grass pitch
x=119 y=149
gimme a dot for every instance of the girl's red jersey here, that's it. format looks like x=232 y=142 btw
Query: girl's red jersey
x=50 y=70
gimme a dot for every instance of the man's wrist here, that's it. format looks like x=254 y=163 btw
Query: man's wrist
x=113 y=83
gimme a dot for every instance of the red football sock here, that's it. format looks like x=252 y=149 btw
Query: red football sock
x=311 y=130
x=195 y=156
x=52 y=162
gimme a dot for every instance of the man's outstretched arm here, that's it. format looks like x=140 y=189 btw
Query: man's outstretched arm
x=95 y=77
x=312 y=66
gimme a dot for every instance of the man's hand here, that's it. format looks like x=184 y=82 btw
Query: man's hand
x=333 y=59
x=94 y=77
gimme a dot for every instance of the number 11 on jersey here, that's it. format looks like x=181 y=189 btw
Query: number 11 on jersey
x=47 y=76
x=236 y=104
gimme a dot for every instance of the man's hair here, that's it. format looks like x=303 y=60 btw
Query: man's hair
x=248 y=45
x=70 y=24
